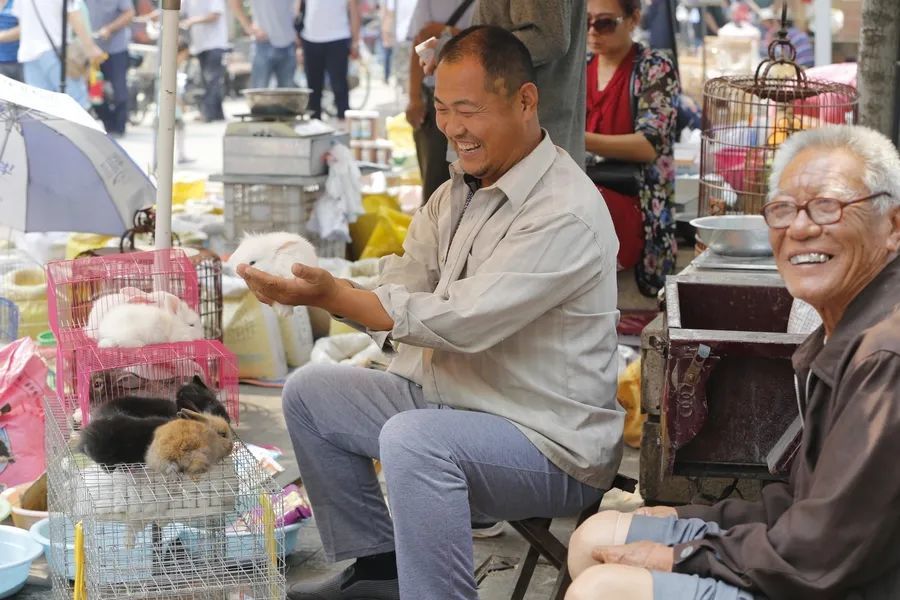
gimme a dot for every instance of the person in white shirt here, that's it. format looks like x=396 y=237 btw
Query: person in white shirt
x=40 y=42
x=205 y=19
x=330 y=38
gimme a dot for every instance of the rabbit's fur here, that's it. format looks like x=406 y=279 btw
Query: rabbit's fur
x=274 y=253
x=189 y=445
x=197 y=397
x=135 y=325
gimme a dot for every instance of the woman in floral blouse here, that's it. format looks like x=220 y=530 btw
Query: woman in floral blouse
x=631 y=111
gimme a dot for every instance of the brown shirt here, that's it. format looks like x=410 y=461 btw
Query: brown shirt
x=832 y=531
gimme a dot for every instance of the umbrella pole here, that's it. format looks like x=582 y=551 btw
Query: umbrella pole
x=63 y=46
x=165 y=132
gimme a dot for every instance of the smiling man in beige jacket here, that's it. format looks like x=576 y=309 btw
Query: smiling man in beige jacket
x=500 y=402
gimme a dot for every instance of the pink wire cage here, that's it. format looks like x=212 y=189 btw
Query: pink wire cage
x=75 y=286
x=88 y=375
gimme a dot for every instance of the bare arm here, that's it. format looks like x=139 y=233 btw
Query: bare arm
x=208 y=18
x=237 y=9
x=353 y=5
x=84 y=35
x=10 y=35
x=123 y=20
x=630 y=146
x=315 y=287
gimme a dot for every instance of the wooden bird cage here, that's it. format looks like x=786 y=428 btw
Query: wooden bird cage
x=746 y=118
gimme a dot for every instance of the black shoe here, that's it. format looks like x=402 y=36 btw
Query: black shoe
x=345 y=586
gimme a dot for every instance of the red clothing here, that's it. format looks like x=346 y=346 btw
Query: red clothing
x=609 y=113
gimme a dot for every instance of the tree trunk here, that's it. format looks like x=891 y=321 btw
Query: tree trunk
x=877 y=81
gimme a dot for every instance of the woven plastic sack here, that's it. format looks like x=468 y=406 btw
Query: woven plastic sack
x=23 y=387
x=27 y=287
x=296 y=336
x=251 y=331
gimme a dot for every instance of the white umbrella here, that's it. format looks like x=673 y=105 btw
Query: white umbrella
x=59 y=171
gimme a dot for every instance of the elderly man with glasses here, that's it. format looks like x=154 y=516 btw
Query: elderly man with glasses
x=831 y=531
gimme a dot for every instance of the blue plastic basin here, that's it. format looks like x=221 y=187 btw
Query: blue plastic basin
x=17 y=551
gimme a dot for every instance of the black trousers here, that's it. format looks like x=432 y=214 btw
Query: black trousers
x=114 y=112
x=431 y=150
x=332 y=58
x=212 y=70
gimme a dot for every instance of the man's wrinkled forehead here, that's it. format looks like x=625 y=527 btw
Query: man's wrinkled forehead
x=833 y=172
x=473 y=72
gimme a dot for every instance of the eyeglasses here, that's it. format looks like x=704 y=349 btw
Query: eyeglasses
x=779 y=214
x=604 y=25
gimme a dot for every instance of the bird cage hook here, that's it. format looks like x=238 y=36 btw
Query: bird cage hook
x=786 y=56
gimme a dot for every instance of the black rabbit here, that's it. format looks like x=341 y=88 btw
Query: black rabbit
x=121 y=430
x=197 y=397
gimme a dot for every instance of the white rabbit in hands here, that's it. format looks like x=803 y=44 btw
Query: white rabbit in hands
x=134 y=325
x=275 y=253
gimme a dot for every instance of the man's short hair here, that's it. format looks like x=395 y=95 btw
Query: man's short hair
x=502 y=55
x=875 y=150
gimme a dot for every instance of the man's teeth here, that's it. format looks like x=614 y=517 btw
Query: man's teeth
x=467 y=147
x=812 y=257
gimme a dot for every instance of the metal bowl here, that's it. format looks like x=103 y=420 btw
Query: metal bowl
x=734 y=235
x=278 y=102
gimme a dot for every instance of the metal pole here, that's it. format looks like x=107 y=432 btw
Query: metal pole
x=165 y=132
x=823 y=31
x=63 y=46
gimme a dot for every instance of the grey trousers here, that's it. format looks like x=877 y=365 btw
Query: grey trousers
x=440 y=465
x=678 y=586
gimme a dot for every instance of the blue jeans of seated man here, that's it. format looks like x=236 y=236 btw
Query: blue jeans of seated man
x=441 y=466
x=44 y=72
x=269 y=61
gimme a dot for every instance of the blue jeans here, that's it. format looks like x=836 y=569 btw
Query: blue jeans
x=114 y=111
x=441 y=466
x=44 y=72
x=268 y=61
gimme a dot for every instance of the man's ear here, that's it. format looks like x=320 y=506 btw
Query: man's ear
x=528 y=98
x=893 y=216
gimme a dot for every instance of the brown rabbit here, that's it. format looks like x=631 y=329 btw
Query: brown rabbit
x=191 y=444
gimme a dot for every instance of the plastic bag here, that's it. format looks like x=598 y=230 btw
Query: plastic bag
x=357 y=349
x=380 y=233
x=629 y=397
x=23 y=387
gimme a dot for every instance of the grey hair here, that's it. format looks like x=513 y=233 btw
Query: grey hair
x=877 y=152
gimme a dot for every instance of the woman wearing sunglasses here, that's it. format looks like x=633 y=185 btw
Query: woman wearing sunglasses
x=630 y=125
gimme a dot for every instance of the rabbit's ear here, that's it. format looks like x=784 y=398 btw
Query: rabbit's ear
x=185 y=413
x=171 y=303
x=197 y=380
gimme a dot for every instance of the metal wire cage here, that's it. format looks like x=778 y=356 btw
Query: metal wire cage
x=746 y=118
x=266 y=207
x=105 y=374
x=9 y=321
x=132 y=533
x=209 y=277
